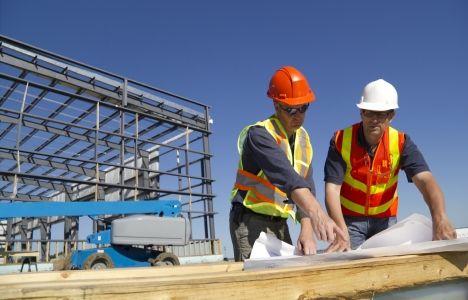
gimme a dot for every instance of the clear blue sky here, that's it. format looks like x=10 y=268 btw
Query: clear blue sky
x=223 y=54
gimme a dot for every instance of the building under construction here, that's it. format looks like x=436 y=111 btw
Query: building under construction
x=73 y=132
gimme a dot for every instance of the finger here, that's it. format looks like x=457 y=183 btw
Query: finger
x=331 y=232
x=299 y=246
x=339 y=233
x=331 y=248
x=324 y=234
x=449 y=235
x=318 y=230
x=309 y=248
x=340 y=249
x=343 y=247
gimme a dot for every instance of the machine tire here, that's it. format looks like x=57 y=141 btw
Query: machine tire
x=165 y=259
x=98 y=261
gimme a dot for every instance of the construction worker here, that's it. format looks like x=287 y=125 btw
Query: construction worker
x=275 y=165
x=361 y=173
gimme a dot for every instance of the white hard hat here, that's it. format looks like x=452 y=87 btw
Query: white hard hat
x=379 y=95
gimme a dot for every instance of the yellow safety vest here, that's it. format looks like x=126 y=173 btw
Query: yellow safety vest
x=262 y=196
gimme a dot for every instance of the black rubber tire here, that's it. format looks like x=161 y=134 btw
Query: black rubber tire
x=165 y=259
x=98 y=261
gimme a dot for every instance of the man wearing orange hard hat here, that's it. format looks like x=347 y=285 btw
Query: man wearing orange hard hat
x=275 y=173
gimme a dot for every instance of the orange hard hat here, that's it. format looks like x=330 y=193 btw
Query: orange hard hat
x=290 y=87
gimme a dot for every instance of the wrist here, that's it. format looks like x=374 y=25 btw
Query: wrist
x=439 y=217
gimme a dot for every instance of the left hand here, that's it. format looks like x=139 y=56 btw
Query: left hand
x=306 y=245
x=306 y=241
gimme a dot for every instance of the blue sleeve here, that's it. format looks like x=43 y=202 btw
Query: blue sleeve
x=335 y=166
x=412 y=161
x=262 y=153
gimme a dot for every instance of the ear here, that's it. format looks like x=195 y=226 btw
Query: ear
x=275 y=104
x=392 y=115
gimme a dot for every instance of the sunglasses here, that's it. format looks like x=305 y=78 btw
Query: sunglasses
x=380 y=115
x=294 y=110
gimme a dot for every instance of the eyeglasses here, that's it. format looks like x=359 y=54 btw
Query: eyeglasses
x=380 y=115
x=294 y=110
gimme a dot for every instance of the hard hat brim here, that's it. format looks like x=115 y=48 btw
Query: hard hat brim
x=296 y=101
x=376 y=106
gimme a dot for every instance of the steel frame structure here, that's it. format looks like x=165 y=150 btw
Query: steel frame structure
x=73 y=132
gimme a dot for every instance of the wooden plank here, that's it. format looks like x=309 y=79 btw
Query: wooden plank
x=21 y=254
x=352 y=279
x=112 y=274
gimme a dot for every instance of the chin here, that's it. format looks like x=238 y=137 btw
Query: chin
x=297 y=124
x=296 y=127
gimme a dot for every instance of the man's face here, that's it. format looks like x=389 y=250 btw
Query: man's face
x=375 y=123
x=292 y=117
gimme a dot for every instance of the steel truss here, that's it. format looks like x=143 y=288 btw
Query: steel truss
x=73 y=132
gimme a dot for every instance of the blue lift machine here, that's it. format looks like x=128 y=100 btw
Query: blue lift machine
x=128 y=241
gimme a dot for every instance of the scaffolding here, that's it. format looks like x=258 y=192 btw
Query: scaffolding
x=73 y=132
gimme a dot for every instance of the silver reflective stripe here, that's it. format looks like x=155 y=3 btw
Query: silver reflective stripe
x=258 y=187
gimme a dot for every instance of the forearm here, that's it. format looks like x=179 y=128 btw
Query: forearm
x=306 y=201
x=332 y=202
x=431 y=193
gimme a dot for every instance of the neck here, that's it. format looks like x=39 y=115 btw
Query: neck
x=372 y=140
x=289 y=131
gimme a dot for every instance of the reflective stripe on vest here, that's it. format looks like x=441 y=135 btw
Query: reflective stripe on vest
x=262 y=196
x=370 y=190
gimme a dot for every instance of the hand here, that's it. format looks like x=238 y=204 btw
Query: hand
x=306 y=246
x=340 y=244
x=443 y=230
x=306 y=242
x=325 y=228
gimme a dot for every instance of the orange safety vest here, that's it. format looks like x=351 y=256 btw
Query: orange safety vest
x=263 y=197
x=370 y=188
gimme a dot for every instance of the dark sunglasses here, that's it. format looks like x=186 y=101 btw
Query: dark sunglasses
x=294 y=110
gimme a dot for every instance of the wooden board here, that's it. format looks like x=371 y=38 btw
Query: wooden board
x=353 y=279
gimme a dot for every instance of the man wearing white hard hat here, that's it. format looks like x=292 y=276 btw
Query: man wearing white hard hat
x=361 y=172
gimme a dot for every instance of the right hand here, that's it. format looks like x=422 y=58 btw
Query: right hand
x=325 y=228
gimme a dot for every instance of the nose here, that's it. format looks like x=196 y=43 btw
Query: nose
x=375 y=119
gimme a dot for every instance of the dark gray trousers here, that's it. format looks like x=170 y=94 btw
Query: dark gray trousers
x=245 y=227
